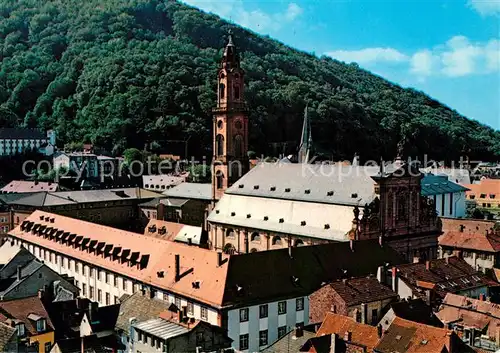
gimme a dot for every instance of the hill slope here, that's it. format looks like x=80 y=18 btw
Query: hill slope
x=125 y=72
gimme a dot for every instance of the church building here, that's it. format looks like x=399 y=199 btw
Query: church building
x=283 y=204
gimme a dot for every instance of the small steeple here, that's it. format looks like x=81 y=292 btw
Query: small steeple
x=230 y=58
x=305 y=140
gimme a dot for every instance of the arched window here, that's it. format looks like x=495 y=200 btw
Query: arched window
x=299 y=242
x=230 y=233
x=229 y=249
x=220 y=180
x=255 y=237
x=276 y=240
x=236 y=90
x=219 y=145
x=222 y=91
x=253 y=250
x=238 y=146
x=402 y=206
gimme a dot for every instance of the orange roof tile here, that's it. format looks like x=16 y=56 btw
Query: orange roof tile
x=474 y=241
x=466 y=225
x=154 y=229
x=204 y=263
x=360 y=333
x=412 y=337
x=486 y=186
x=22 y=186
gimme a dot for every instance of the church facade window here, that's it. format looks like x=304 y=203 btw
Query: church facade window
x=255 y=237
x=236 y=90
x=219 y=145
x=230 y=233
x=222 y=91
x=402 y=204
x=220 y=180
x=229 y=249
x=277 y=240
x=238 y=146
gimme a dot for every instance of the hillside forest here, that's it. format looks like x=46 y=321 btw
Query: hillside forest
x=136 y=73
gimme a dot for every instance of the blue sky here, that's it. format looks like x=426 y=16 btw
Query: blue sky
x=448 y=49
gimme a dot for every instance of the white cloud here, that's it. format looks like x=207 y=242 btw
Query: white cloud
x=457 y=57
x=485 y=7
x=257 y=19
x=422 y=63
x=369 y=55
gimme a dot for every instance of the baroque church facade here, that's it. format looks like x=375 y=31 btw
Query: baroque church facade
x=283 y=204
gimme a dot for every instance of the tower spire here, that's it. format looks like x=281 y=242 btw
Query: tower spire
x=305 y=139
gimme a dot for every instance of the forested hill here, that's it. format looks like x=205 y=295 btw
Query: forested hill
x=122 y=73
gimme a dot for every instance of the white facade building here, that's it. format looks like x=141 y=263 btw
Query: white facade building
x=448 y=197
x=17 y=140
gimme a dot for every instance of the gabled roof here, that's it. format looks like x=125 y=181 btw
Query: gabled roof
x=365 y=335
x=140 y=307
x=416 y=310
x=194 y=191
x=359 y=290
x=20 y=309
x=444 y=275
x=439 y=184
x=22 y=186
x=161 y=328
x=472 y=241
x=412 y=337
x=21 y=134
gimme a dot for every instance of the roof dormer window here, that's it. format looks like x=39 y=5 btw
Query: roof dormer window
x=21 y=330
x=41 y=325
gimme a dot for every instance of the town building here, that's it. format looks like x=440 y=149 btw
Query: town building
x=18 y=140
x=5 y=219
x=177 y=232
x=195 y=210
x=8 y=338
x=278 y=205
x=227 y=291
x=448 y=197
x=364 y=299
x=415 y=310
x=34 y=329
x=456 y=175
x=84 y=165
x=79 y=318
x=172 y=331
x=22 y=275
x=293 y=340
x=339 y=334
x=23 y=186
x=116 y=207
x=172 y=209
x=477 y=322
x=480 y=250
x=230 y=123
x=432 y=280
x=485 y=195
x=162 y=182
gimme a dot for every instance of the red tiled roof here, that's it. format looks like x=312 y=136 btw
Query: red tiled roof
x=469 y=312
x=449 y=275
x=154 y=229
x=360 y=333
x=20 y=309
x=486 y=186
x=21 y=186
x=161 y=256
x=361 y=290
x=466 y=225
x=474 y=241
x=412 y=337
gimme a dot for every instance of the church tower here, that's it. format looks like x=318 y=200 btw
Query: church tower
x=230 y=124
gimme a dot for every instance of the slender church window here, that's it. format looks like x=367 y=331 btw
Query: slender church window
x=219 y=145
x=402 y=207
x=220 y=180
x=238 y=146
x=222 y=89
x=236 y=92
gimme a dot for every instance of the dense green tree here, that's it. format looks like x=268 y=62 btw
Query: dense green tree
x=133 y=73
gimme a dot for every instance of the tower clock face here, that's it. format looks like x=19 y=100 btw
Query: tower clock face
x=219 y=124
x=238 y=124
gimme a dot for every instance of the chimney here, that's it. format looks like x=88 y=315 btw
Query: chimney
x=379 y=331
x=363 y=313
x=428 y=265
x=333 y=341
x=481 y=297
x=177 y=268
x=190 y=241
x=381 y=274
x=219 y=259
x=299 y=331
x=19 y=277
x=348 y=336
x=395 y=280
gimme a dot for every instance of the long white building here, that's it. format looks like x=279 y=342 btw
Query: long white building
x=257 y=300
x=17 y=140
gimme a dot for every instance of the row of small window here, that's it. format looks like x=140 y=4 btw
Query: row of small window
x=163 y=187
x=91 y=292
x=263 y=337
x=4 y=229
x=479 y=256
x=264 y=309
x=4 y=219
x=155 y=342
x=190 y=307
x=482 y=196
x=488 y=205
x=72 y=265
